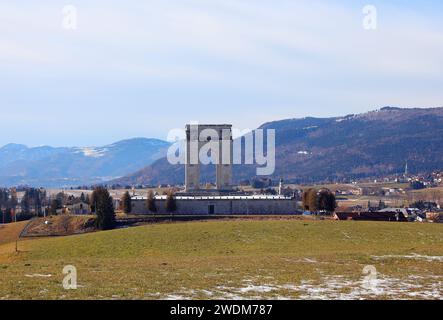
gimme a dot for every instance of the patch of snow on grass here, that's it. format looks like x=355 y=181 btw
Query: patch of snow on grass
x=411 y=256
x=329 y=288
x=176 y=297
x=339 y=288
x=257 y=288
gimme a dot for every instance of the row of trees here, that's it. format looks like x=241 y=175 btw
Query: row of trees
x=170 y=204
x=313 y=200
x=8 y=202
x=319 y=200
x=35 y=203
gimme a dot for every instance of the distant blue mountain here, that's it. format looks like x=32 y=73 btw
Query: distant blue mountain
x=64 y=167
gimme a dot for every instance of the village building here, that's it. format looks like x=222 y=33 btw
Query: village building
x=78 y=208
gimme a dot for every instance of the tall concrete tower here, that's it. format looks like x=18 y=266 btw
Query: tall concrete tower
x=218 y=139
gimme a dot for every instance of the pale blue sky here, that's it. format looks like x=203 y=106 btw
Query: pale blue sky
x=141 y=68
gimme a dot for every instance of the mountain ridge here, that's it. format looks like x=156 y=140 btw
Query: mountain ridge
x=354 y=146
x=71 y=166
x=309 y=149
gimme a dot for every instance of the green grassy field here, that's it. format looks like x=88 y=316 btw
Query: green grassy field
x=232 y=260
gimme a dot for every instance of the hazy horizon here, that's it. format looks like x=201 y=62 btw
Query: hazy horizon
x=164 y=138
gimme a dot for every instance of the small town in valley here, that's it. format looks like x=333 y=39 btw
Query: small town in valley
x=402 y=198
x=221 y=158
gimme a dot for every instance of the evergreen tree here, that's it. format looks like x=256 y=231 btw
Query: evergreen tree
x=126 y=203
x=92 y=202
x=150 y=202
x=55 y=205
x=170 y=204
x=104 y=209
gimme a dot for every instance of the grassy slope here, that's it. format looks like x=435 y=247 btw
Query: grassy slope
x=8 y=235
x=10 y=232
x=60 y=225
x=188 y=258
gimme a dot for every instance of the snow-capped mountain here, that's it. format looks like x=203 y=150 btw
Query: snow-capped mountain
x=63 y=167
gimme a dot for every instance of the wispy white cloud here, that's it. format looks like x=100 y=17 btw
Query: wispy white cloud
x=292 y=57
x=301 y=37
